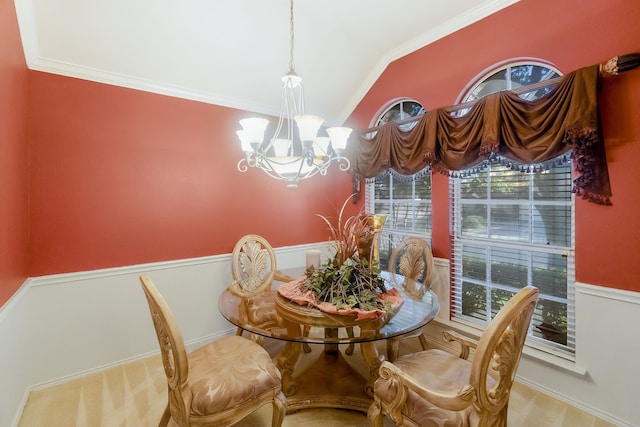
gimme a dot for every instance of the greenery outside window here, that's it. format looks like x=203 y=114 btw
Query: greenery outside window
x=512 y=226
x=407 y=204
x=406 y=200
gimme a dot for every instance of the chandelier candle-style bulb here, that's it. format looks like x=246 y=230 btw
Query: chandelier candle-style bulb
x=243 y=135
x=339 y=137
x=254 y=129
x=308 y=126
x=281 y=146
x=288 y=155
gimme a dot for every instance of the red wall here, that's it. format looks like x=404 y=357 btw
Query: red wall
x=570 y=34
x=122 y=177
x=13 y=155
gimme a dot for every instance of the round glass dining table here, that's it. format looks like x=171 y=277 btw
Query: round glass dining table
x=330 y=381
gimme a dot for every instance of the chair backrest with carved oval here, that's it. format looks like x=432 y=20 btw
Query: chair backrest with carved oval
x=253 y=264
x=411 y=266
x=172 y=349
x=499 y=350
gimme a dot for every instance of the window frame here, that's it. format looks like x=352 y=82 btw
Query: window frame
x=490 y=71
x=530 y=249
x=391 y=235
x=457 y=242
x=379 y=117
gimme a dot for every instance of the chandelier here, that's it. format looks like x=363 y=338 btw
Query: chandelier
x=283 y=156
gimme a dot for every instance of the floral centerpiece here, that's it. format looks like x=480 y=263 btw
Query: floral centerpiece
x=349 y=283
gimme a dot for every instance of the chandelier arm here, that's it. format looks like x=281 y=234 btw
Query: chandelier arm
x=293 y=161
x=272 y=166
x=243 y=165
x=322 y=170
x=343 y=163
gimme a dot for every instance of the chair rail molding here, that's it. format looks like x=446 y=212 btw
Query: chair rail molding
x=59 y=327
x=64 y=326
x=605 y=321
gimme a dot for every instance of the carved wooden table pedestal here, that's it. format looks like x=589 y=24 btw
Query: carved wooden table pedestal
x=329 y=381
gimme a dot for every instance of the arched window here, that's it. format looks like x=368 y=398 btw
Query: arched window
x=514 y=75
x=400 y=110
x=406 y=200
x=513 y=226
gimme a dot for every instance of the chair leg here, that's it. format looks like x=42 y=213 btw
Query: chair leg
x=305 y=346
x=374 y=414
x=258 y=339
x=279 y=410
x=423 y=341
x=166 y=416
x=351 y=346
x=393 y=347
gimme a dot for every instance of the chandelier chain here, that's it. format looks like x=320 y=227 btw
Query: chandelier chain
x=291 y=37
x=280 y=156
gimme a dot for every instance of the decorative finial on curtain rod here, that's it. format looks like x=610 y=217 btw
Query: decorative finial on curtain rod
x=620 y=64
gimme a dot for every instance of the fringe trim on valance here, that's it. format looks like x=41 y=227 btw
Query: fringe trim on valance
x=559 y=161
x=588 y=156
x=399 y=176
x=529 y=136
x=585 y=156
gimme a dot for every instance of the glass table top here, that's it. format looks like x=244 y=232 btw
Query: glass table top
x=271 y=315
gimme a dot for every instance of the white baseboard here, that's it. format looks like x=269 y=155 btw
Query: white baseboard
x=605 y=323
x=574 y=402
x=103 y=316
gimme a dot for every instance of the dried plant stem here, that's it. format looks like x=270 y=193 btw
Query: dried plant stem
x=348 y=279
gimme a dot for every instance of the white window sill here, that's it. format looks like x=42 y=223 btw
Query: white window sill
x=531 y=351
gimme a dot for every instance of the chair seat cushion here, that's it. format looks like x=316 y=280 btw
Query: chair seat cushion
x=261 y=311
x=229 y=372
x=437 y=371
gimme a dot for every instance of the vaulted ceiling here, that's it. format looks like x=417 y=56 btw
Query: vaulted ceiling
x=234 y=52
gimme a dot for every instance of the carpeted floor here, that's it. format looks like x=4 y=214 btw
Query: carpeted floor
x=134 y=395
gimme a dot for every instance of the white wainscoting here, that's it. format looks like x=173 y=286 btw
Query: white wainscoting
x=606 y=371
x=56 y=328
x=59 y=327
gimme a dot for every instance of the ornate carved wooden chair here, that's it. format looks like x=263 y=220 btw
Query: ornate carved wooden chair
x=436 y=388
x=217 y=384
x=253 y=268
x=411 y=267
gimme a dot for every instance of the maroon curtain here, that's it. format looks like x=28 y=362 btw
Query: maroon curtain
x=501 y=124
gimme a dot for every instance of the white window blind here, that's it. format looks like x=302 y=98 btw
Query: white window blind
x=513 y=228
x=406 y=200
x=407 y=204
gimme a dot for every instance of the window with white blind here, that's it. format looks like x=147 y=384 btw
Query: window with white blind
x=407 y=203
x=512 y=229
x=406 y=200
x=512 y=226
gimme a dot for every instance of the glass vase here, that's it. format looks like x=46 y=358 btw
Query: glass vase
x=367 y=240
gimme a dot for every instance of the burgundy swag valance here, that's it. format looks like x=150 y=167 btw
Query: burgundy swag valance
x=501 y=125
